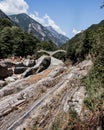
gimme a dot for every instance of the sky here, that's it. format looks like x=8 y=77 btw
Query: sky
x=67 y=17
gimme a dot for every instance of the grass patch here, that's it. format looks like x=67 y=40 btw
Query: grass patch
x=95 y=90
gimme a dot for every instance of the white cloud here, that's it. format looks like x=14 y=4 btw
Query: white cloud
x=47 y=21
x=75 y=31
x=36 y=17
x=14 y=6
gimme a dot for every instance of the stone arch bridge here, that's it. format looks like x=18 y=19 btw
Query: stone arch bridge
x=51 y=53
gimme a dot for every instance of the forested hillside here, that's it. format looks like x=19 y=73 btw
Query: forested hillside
x=89 y=44
x=15 y=42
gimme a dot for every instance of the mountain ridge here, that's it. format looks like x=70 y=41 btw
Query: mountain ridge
x=3 y=15
x=42 y=33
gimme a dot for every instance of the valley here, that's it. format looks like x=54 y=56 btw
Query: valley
x=48 y=81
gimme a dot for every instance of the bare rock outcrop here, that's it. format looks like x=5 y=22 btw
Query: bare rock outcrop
x=67 y=94
x=40 y=97
x=41 y=64
x=7 y=62
x=19 y=70
x=2 y=83
x=8 y=67
x=19 y=64
x=29 y=63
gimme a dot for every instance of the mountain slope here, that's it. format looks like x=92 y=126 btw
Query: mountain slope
x=13 y=40
x=42 y=33
x=90 y=45
x=59 y=37
x=84 y=43
x=3 y=15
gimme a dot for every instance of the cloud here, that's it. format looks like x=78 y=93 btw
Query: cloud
x=14 y=6
x=46 y=21
x=36 y=17
x=75 y=31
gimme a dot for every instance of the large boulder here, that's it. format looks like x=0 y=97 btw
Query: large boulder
x=10 y=72
x=19 y=64
x=41 y=64
x=29 y=63
x=2 y=83
x=19 y=70
x=28 y=72
x=11 y=79
x=4 y=71
x=8 y=63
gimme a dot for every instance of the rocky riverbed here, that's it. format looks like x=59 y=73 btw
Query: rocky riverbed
x=33 y=93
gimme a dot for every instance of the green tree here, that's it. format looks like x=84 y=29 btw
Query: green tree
x=17 y=41
x=5 y=22
x=5 y=42
x=47 y=45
